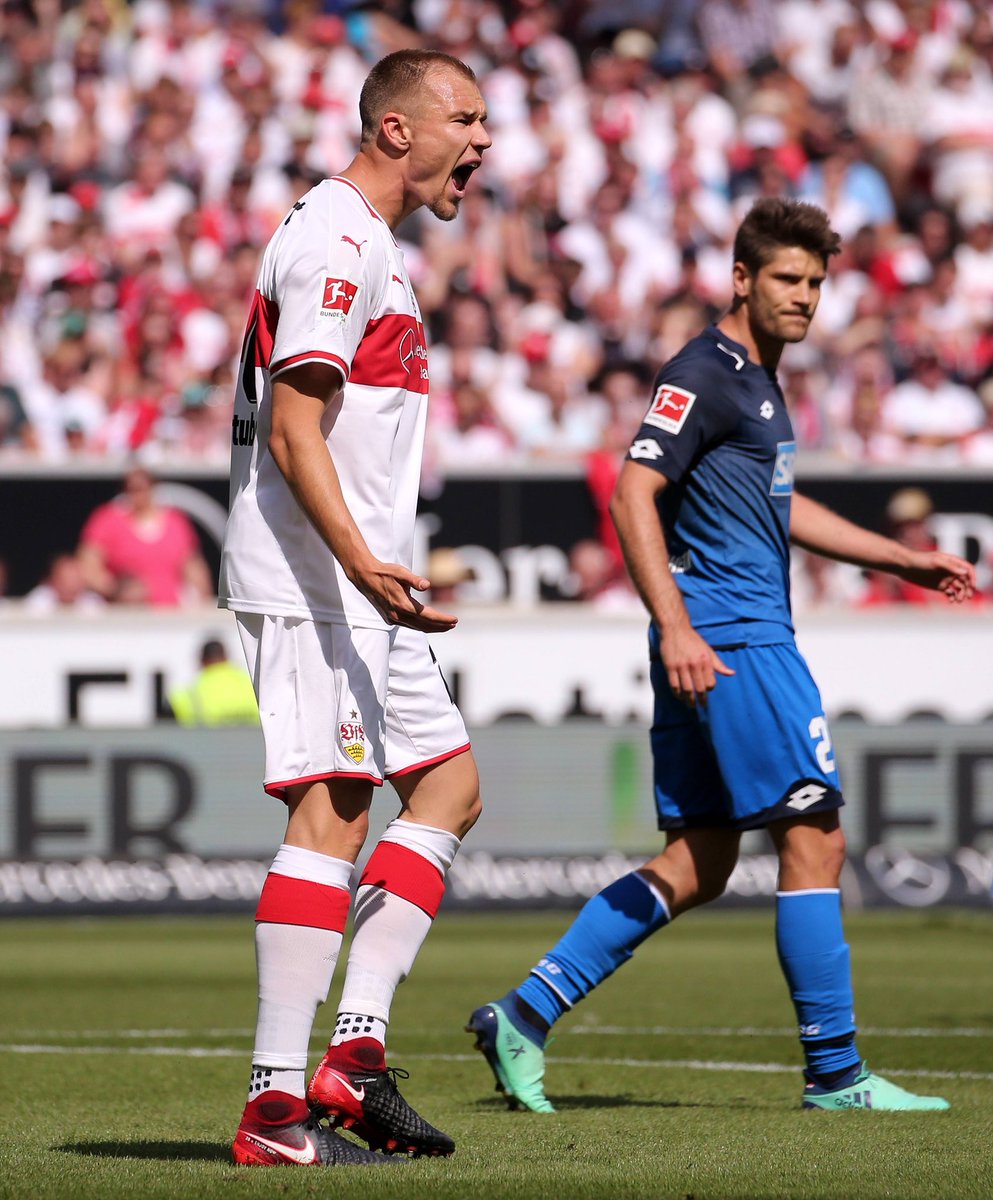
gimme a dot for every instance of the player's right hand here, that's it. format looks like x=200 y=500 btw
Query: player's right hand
x=692 y=665
x=388 y=586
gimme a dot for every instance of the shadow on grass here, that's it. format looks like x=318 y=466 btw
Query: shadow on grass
x=169 y=1151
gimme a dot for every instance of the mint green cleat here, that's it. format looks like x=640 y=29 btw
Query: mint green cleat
x=870 y=1091
x=517 y=1063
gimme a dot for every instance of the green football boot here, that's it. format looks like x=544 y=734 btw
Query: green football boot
x=517 y=1062
x=870 y=1091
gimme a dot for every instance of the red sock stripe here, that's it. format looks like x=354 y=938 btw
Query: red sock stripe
x=288 y=901
x=406 y=874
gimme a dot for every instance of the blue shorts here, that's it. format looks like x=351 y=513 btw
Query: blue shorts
x=759 y=752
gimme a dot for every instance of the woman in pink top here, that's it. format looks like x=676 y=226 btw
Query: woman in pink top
x=134 y=550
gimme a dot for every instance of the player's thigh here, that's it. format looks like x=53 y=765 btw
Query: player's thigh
x=770 y=737
x=445 y=794
x=422 y=722
x=322 y=694
x=689 y=790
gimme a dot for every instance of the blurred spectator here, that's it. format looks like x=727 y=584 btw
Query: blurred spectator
x=887 y=104
x=804 y=385
x=907 y=516
x=149 y=150
x=447 y=570
x=135 y=550
x=738 y=36
x=595 y=579
x=61 y=401
x=959 y=128
x=472 y=435
x=64 y=586
x=856 y=403
x=624 y=389
x=220 y=695
x=929 y=411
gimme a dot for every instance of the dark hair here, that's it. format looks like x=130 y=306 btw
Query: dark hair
x=212 y=651
x=395 y=81
x=775 y=222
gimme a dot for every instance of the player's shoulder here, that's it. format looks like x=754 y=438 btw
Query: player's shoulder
x=710 y=358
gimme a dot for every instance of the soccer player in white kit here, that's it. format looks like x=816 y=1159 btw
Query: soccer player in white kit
x=326 y=452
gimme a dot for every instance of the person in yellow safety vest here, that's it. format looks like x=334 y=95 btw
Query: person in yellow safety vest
x=221 y=694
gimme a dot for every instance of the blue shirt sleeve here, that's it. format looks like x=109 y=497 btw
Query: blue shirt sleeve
x=691 y=410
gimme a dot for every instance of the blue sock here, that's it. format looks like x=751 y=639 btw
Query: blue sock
x=607 y=931
x=815 y=960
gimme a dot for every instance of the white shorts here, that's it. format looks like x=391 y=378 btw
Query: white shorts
x=336 y=701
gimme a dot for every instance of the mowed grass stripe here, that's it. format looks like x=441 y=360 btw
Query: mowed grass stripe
x=131 y=1111
x=553 y=1060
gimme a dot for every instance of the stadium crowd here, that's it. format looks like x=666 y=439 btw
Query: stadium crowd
x=150 y=148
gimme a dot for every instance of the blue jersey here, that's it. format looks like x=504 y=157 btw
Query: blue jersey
x=718 y=429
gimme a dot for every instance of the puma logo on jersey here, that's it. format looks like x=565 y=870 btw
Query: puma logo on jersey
x=352 y=242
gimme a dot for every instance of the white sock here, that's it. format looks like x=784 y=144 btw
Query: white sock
x=275 y=1079
x=389 y=930
x=295 y=965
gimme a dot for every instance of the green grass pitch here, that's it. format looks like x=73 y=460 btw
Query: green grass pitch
x=125 y=1051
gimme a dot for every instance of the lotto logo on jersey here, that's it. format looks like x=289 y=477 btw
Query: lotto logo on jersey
x=338 y=295
x=670 y=408
x=352 y=736
x=784 y=470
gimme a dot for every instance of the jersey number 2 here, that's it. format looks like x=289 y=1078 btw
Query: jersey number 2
x=818 y=729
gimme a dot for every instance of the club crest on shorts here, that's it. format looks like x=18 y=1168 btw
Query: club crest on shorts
x=670 y=407
x=352 y=736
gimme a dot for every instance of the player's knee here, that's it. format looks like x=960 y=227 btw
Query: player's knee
x=471 y=814
x=711 y=884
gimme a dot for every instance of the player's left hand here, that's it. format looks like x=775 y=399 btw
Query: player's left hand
x=942 y=572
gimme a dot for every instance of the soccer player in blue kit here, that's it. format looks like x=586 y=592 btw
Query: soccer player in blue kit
x=705 y=509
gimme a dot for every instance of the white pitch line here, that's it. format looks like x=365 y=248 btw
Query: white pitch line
x=744 y=1030
x=577 y=1030
x=638 y=1064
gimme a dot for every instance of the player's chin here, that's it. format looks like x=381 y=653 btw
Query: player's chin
x=446 y=207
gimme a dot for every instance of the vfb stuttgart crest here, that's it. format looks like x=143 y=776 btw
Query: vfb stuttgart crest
x=352 y=736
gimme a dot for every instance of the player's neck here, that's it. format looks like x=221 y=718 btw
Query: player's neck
x=381 y=188
x=765 y=351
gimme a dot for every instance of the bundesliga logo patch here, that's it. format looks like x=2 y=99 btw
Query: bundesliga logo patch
x=670 y=408
x=352 y=736
x=338 y=295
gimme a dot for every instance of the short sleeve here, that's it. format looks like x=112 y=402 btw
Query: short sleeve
x=327 y=287
x=689 y=411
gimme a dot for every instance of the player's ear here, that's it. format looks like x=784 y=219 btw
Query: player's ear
x=395 y=132
x=741 y=281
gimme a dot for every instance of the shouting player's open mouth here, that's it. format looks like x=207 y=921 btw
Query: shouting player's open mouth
x=460 y=177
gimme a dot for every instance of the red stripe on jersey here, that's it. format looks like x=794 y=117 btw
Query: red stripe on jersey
x=288 y=901
x=392 y=354
x=406 y=874
x=311 y=356
x=358 y=192
x=260 y=332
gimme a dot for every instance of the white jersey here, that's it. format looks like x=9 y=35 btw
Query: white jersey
x=332 y=288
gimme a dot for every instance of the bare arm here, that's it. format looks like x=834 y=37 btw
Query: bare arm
x=197 y=577
x=691 y=664
x=824 y=532
x=297 y=445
